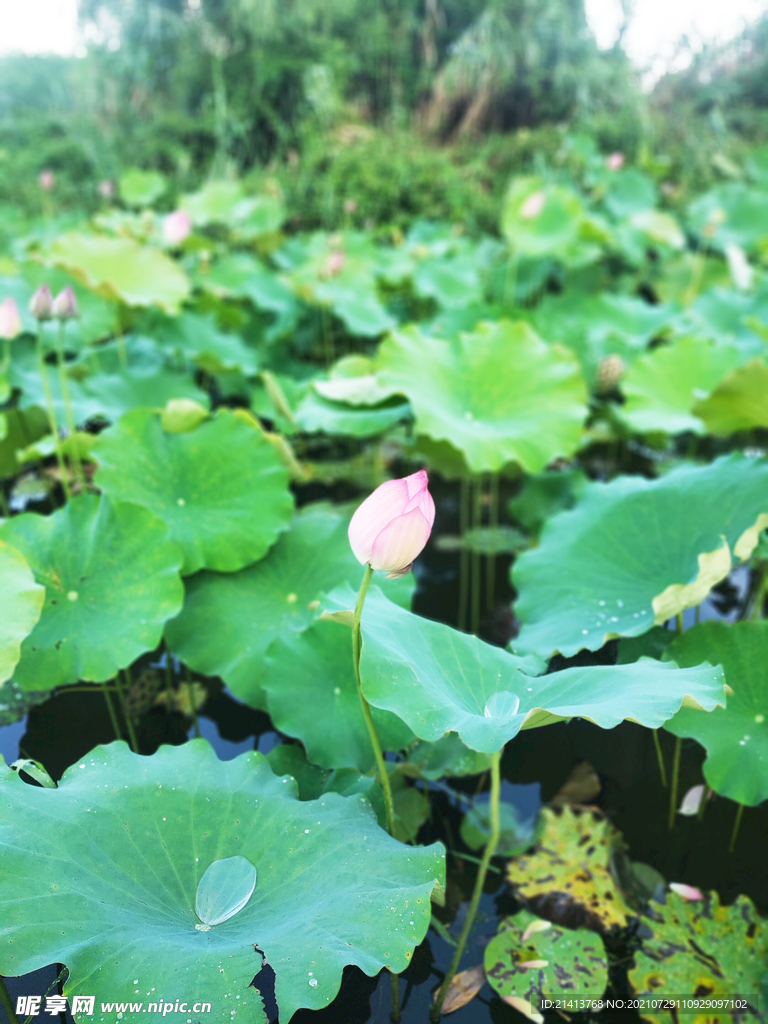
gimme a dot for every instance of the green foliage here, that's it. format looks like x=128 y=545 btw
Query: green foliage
x=23 y=599
x=327 y=879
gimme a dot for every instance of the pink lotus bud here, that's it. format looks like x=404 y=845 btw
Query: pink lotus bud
x=65 y=305
x=334 y=264
x=686 y=892
x=41 y=303
x=46 y=180
x=10 y=321
x=350 y=205
x=176 y=227
x=392 y=526
x=106 y=188
x=615 y=161
x=533 y=205
x=691 y=801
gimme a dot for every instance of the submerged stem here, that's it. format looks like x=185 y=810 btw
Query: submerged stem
x=374 y=736
x=493 y=842
x=128 y=720
x=7 y=1003
x=736 y=825
x=191 y=695
x=675 y=782
x=660 y=756
x=111 y=710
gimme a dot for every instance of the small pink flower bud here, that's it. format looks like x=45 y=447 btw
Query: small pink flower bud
x=691 y=801
x=615 y=161
x=686 y=892
x=533 y=205
x=46 y=180
x=176 y=227
x=41 y=303
x=392 y=526
x=350 y=205
x=106 y=188
x=334 y=264
x=65 y=305
x=10 y=321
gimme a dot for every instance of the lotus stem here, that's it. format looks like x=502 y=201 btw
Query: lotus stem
x=493 y=523
x=704 y=801
x=50 y=411
x=128 y=720
x=5 y=999
x=675 y=782
x=660 y=756
x=463 y=554
x=679 y=623
x=736 y=826
x=69 y=415
x=374 y=736
x=111 y=710
x=490 y=850
x=477 y=498
x=168 y=680
x=191 y=695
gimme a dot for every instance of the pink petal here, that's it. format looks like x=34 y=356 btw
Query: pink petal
x=400 y=541
x=691 y=801
x=686 y=892
x=378 y=510
x=419 y=496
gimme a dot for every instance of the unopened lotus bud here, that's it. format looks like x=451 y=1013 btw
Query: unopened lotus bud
x=177 y=226
x=609 y=373
x=106 y=188
x=686 y=892
x=615 y=161
x=392 y=526
x=350 y=206
x=46 y=180
x=334 y=264
x=65 y=305
x=10 y=321
x=533 y=205
x=41 y=303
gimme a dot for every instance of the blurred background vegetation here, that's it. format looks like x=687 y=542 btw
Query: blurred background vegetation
x=366 y=113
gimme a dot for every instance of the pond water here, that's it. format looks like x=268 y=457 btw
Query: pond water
x=536 y=764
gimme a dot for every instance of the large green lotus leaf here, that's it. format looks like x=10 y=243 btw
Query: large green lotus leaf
x=731 y=213
x=221 y=488
x=634 y=552
x=738 y=402
x=240 y=275
x=316 y=414
x=729 y=316
x=547 y=227
x=200 y=338
x=22 y=602
x=452 y=283
x=123 y=270
x=629 y=191
x=499 y=394
x=662 y=387
x=102 y=874
x=312 y=695
x=22 y=428
x=99 y=386
x=699 y=946
x=596 y=326
x=573 y=963
x=735 y=737
x=215 y=203
x=353 y=380
x=141 y=188
x=229 y=621
x=437 y=679
x=111 y=578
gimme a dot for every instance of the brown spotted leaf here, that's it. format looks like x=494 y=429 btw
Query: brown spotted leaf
x=567 y=877
x=463 y=988
x=701 y=949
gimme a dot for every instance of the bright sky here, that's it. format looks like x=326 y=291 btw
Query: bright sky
x=50 y=26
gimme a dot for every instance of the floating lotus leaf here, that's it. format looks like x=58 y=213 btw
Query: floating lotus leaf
x=111 y=578
x=634 y=552
x=700 y=948
x=312 y=695
x=22 y=601
x=662 y=388
x=438 y=679
x=539 y=219
x=732 y=212
x=122 y=270
x=103 y=874
x=141 y=188
x=629 y=191
x=516 y=836
x=574 y=963
x=738 y=402
x=452 y=283
x=221 y=488
x=735 y=737
x=318 y=414
x=239 y=275
x=499 y=394
x=568 y=875
x=229 y=621
x=200 y=338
